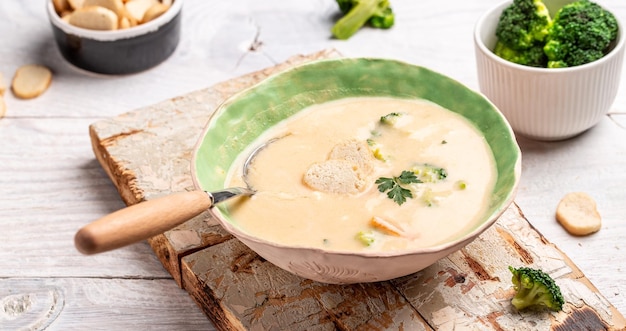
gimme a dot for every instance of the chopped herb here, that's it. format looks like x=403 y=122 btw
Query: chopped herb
x=378 y=155
x=429 y=173
x=432 y=198
x=443 y=142
x=428 y=197
x=393 y=186
x=365 y=237
x=375 y=148
x=390 y=118
x=461 y=185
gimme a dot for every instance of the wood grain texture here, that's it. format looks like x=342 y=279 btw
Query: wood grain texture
x=45 y=284
x=105 y=304
x=469 y=289
x=39 y=219
x=239 y=290
x=124 y=146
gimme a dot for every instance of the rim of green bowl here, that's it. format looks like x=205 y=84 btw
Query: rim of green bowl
x=243 y=117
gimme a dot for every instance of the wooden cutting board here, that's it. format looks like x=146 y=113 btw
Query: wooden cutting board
x=147 y=153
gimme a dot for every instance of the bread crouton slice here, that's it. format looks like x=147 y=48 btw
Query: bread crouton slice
x=348 y=170
x=578 y=214
x=335 y=176
x=356 y=152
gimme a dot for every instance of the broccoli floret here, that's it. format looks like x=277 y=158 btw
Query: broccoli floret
x=390 y=119
x=532 y=56
x=579 y=33
x=383 y=19
x=377 y=13
x=535 y=288
x=521 y=31
x=582 y=32
x=523 y=24
x=375 y=148
x=428 y=173
x=365 y=237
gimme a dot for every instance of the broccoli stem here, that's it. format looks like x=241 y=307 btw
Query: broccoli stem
x=349 y=24
x=526 y=297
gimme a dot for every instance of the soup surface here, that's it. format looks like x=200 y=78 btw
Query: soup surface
x=425 y=178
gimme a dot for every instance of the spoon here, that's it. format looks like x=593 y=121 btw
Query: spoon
x=149 y=218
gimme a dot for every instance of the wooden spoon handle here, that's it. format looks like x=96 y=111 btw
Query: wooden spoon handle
x=140 y=221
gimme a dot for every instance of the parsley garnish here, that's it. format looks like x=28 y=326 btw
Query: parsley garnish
x=396 y=192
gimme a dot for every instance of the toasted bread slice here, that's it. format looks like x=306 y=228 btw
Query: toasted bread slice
x=136 y=9
x=356 y=152
x=94 y=18
x=76 y=4
x=578 y=214
x=30 y=81
x=116 y=6
x=334 y=176
x=153 y=12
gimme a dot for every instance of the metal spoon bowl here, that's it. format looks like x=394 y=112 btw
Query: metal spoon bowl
x=149 y=218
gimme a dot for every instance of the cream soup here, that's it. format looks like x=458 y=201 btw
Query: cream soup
x=448 y=156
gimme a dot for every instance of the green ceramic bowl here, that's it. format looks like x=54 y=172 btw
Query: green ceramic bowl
x=245 y=116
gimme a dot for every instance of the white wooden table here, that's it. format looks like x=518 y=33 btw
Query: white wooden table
x=51 y=184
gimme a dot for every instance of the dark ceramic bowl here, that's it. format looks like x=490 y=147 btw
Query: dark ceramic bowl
x=119 y=52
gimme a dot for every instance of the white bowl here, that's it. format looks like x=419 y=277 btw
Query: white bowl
x=542 y=103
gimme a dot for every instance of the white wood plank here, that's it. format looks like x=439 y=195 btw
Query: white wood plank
x=215 y=49
x=593 y=162
x=55 y=187
x=97 y=304
x=51 y=186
